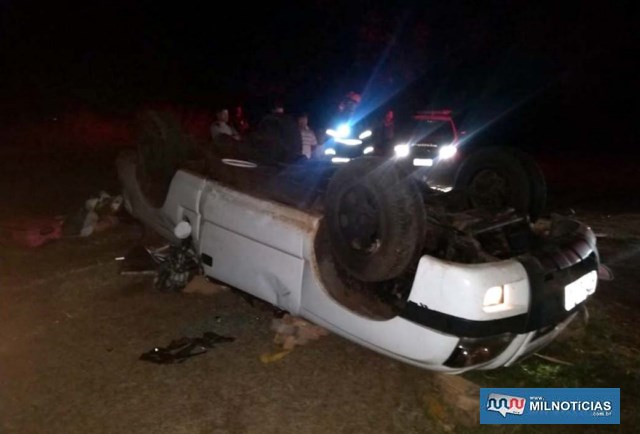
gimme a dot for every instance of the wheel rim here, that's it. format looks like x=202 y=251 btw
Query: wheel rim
x=359 y=220
x=489 y=189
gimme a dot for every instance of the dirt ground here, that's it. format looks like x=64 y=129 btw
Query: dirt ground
x=72 y=329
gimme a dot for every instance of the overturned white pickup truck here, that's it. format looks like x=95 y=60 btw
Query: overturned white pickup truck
x=369 y=252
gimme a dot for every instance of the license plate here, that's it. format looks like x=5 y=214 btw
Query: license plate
x=423 y=162
x=577 y=291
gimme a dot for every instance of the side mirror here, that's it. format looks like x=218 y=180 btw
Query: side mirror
x=182 y=230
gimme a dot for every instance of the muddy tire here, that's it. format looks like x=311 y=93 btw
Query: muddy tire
x=375 y=218
x=497 y=178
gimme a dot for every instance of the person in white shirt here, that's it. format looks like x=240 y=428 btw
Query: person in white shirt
x=221 y=125
x=309 y=139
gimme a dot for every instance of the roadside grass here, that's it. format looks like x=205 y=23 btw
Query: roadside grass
x=598 y=355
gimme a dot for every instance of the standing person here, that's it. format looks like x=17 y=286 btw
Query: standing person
x=387 y=133
x=239 y=121
x=346 y=111
x=309 y=139
x=280 y=134
x=221 y=125
x=348 y=105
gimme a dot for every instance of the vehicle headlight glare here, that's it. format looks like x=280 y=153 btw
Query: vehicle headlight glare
x=349 y=142
x=343 y=131
x=329 y=151
x=368 y=150
x=365 y=134
x=401 y=151
x=447 y=151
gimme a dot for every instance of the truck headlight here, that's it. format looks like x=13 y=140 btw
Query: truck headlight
x=493 y=297
x=502 y=298
x=447 y=151
x=401 y=151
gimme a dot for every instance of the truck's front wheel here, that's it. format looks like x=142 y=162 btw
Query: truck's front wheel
x=376 y=219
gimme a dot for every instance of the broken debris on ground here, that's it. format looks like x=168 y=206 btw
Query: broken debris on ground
x=30 y=232
x=179 y=266
x=184 y=348
x=291 y=331
x=200 y=284
x=98 y=214
x=174 y=267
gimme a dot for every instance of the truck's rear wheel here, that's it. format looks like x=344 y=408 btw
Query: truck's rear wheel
x=375 y=218
x=497 y=178
x=537 y=185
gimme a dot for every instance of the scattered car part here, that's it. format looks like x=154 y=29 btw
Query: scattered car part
x=180 y=263
x=175 y=272
x=182 y=349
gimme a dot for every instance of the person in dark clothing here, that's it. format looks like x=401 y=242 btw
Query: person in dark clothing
x=278 y=134
x=385 y=134
x=346 y=110
x=239 y=121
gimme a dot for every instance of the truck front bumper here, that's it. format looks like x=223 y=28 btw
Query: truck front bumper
x=541 y=293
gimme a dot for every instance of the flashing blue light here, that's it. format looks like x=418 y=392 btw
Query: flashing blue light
x=343 y=130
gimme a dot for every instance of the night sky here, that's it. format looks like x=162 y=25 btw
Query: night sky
x=567 y=67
